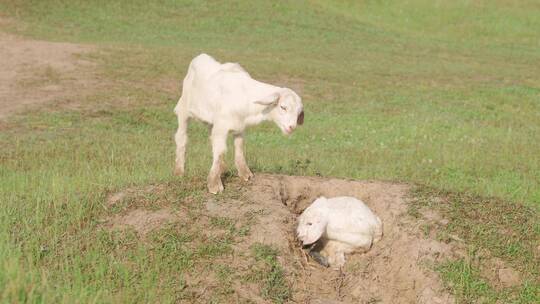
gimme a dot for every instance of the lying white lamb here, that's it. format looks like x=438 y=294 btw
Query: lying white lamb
x=342 y=224
x=226 y=97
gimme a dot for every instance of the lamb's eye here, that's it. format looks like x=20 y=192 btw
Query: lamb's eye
x=309 y=224
x=283 y=108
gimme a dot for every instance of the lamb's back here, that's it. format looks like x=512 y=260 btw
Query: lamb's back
x=348 y=215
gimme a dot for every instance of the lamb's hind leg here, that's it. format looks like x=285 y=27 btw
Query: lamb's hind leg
x=239 y=159
x=219 y=147
x=335 y=253
x=181 y=140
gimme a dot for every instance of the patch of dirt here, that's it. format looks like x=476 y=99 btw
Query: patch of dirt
x=142 y=221
x=398 y=269
x=142 y=211
x=115 y=198
x=508 y=277
x=36 y=72
x=497 y=272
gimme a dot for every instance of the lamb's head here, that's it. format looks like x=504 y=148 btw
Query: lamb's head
x=312 y=222
x=285 y=109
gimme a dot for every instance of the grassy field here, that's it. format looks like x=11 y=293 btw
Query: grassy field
x=439 y=93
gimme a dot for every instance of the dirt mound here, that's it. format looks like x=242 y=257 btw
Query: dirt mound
x=398 y=269
x=394 y=271
x=36 y=72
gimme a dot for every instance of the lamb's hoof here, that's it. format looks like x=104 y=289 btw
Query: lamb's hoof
x=336 y=261
x=319 y=258
x=246 y=176
x=215 y=188
x=178 y=171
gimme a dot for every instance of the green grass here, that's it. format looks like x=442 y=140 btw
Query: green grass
x=445 y=94
x=490 y=228
x=508 y=231
x=454 y=106
x=275 y=286
x=465 y=282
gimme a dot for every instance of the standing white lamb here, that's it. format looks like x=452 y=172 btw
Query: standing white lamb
x=226 y=97
x=343 y=224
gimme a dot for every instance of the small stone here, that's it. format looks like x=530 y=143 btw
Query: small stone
x=325 y=301
x=115 y=198
x=444 y=222
x=212 y=206
x=509 y=277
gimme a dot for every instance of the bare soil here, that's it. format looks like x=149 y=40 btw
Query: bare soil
x=143 y=221
x=398 y=269
x=36 y=72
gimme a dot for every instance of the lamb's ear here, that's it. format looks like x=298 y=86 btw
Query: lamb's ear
x=300 y=119
x=315 y=231
x=320 y=201
x=271 y=99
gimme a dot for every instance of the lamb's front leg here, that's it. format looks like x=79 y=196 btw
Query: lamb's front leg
x=239 y=159
x=181 y=139
x=219 y=147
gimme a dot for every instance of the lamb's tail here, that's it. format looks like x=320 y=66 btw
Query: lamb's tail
x=378 y=233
